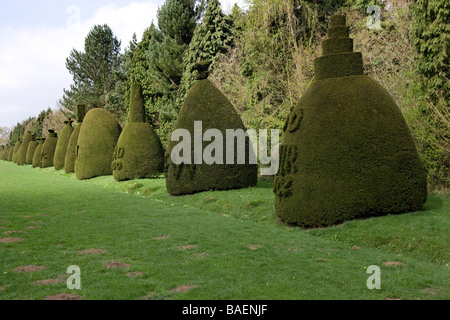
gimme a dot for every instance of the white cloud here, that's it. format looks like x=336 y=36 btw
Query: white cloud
x=32 y=58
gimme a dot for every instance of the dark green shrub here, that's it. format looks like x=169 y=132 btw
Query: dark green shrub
x=347 y=153
x=139 y=153
x=30 y=151
x=38 y=154
x=48 y=150
x=11 y=154
x=204 y=102
x=71 y=155
x=16 y=150
x=22 y=152
x=61 y=147
x=96 y=144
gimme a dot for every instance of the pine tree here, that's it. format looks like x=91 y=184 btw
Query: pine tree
x=93 y=70
x=212 y=38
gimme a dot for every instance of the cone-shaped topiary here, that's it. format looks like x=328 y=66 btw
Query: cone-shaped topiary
x=38 y=154
x=16 y=151
x=11 y=153
x=48 y=150
x=205 y=103
x=30 y=151
x=347 y=151
x=139 y=153
x=22 y=152
x=71 y=155
x=61 y=147
x=96 y=144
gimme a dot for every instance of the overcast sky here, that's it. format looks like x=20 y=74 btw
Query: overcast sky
x=36 y=37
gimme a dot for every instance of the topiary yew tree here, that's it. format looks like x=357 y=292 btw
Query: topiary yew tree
x=96 y=144
x=22 y=152
x=69 y=161
x=61 y=147
x=347 y=151
x=30 y=151
x=139 y=153
x=48 y=150
x=37 y=154
x=204 y=102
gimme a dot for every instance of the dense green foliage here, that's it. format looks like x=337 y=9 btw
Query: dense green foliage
x=22 y=152
x=61 y=147
x=139 y=153
x=48 y=150
x=205 y=103
x=30 y=151
x=347 y=151
x=96 y=144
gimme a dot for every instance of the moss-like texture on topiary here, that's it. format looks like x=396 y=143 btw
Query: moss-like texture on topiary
x=11 y=153
x=71 y=154
x=347 y=153
x=61 y=147
x=30 y=151
x=48 y=150
x=38 y=154
x=22 y=152
x=139 y=153
x=15 y=156
x=204 y=102
x=96 y=144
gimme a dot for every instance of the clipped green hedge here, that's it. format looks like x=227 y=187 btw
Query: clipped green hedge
x=204 y=102
x=139 y=152
x=96 y=144
x=347 y=153
x=71 y=154
x=48 y=150
x=22 y=152
x=15 y=151
x=61 y=147
x=38 y=154
x=30 y=151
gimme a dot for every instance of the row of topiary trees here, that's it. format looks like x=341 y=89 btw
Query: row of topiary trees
x=347 y=151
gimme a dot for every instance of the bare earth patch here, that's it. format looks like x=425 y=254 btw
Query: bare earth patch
x=30 y=268
x=2 y=288
x=11 y=240
x=394 y=263
x=254 y=247
x=356 y=248
x=3 y=228
x=202 y=254
x=183 y=289
x=49 y=282
x=63 y=297
x=33 y=227
x=321 y=259
x=183 y=248
x=9 y=232
x=161 y=237
x=116 y=264
x=93 y=251
x=135 y=274
x=429 y=291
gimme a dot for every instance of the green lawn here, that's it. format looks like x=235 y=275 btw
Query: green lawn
x=212 y=245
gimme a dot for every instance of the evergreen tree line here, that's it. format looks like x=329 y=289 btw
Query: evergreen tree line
x=262 y=61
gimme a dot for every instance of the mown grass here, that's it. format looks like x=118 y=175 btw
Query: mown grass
x=219 y=245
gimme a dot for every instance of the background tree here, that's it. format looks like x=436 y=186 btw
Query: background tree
x=94 y=70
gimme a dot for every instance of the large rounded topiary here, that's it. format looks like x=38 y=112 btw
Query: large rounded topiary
x=22 y=152
x=139 y=153
x=347 y=151
x=11 y=153
x=30 y=151
x=61 y=147
x=15 y=156
x=71 y=155
x=38 y=154
x=205 y=103
x=48 y=150
x=96 y=143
